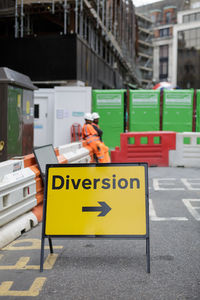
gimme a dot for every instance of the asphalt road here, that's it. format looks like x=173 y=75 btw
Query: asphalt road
x=116 y=269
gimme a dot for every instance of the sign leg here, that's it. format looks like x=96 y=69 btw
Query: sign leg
x=42 y=254
x=148 y=254
x=50 y=245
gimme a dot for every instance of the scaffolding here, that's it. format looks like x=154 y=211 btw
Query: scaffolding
x=107 y=26
x=145 y=49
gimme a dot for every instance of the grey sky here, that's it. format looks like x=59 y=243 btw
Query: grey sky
x=143 y=2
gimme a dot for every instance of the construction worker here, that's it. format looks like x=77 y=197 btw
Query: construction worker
x=91 y=137
x=95 y=124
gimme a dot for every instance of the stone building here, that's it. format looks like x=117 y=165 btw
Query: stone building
x=166 y=19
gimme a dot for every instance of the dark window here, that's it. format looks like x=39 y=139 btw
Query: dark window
x=36 y=111
x=164 y=32
x=163 y=69
x=164 y=51
x=188 y=64
x=163 y=58
x=168 y=17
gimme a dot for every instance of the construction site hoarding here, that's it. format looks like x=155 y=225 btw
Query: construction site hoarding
x=198 y=110
x=178 y=110
x=110 y=106
x=144 y=110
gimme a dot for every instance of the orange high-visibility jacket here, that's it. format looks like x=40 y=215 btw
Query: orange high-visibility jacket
x=89 y=133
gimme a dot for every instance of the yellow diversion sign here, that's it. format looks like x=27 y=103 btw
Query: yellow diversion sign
x=96 y=200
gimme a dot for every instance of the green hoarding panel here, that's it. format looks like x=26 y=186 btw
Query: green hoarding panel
x=198 y=111
x=14 y=117
x=110 y=106
x=144 y=111
x=178 y=110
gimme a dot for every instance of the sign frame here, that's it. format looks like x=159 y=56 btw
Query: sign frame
x=116 y=236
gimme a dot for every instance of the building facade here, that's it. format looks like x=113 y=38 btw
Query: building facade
x=176 y=41
x=70 y=41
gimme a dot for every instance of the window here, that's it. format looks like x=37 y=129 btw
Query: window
x=181 y=36
x=163 y=70
x=163 y=60
x=198 y=16
x=188 y=75
x=36 y=111
x=153 y=18
x=192 y=18
x=168 y=17
x=164 y=32
x=164 y=51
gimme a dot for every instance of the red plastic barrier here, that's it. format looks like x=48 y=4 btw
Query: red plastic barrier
x=155 y=154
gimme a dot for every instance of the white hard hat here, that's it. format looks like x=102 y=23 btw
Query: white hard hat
x=95 y=115
x=88 y=116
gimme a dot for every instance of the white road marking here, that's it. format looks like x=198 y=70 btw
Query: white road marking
x=190 y=184
x=192 y=209
x=159 y=181
x=154 y=217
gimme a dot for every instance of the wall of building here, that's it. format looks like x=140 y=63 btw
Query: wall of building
x=106 y=29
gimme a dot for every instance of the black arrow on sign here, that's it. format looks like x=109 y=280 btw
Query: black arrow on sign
x=104 y=209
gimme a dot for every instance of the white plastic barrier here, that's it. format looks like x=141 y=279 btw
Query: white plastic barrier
x=10 y=166
x=17 y=194
x=15 y=228
x=186 y=155
x=74 y=153
x=69 y=147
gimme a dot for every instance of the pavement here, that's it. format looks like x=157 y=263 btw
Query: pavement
x=94 y=269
